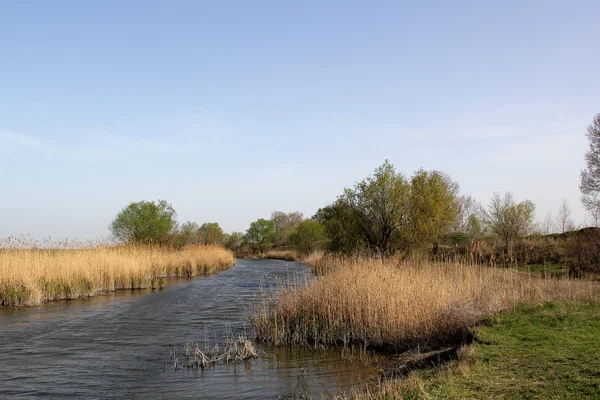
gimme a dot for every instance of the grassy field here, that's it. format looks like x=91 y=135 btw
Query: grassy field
x=34 y=276
x=548 y=351
x=391 y=306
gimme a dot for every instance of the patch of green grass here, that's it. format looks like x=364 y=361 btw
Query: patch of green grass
x=552 y=351
x=547 y=270
x=535 y=352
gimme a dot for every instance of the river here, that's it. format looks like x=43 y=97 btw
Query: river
x=119 y=345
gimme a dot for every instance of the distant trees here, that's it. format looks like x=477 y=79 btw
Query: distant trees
x=234 y=242
x=590 y=177
x=509 y=219
x=188 y=232
x=145 y=222
x=309 y=236
x=469 y=216
x=563 y=220
x=285 y=224
x=386 y=213
x=260 y=235
x=210 y=233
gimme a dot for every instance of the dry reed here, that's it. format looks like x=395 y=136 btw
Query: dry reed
x=389 y=305
x=286 y=255
x=31 y=276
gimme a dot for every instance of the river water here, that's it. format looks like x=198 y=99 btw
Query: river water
x=119 y=345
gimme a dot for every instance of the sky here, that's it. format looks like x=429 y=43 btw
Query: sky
x=230 y=110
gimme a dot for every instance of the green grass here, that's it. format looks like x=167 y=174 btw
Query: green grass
x=547 y=270
x=544 y=352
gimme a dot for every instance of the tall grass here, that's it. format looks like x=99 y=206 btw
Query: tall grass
x=286 y=255
x=31 y=276
x=390 y=305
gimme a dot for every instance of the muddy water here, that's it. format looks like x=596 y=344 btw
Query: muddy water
x=119 y=345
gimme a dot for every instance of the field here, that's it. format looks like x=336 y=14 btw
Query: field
x=35 y=276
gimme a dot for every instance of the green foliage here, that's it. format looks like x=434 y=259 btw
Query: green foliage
x=210 y=233
x=310 y=236
x=341 y=225
x=188 y=232
x=260 y=235
x=145 y=222
x=385 y=213
x=433 y=207
x=234 y=241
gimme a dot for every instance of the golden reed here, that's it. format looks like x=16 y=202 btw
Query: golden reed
x=31 y=276
x=393 y=305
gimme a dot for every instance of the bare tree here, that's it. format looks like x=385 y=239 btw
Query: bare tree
x=285 y=225
x=469 y=210
x=546 y=227
x=590 y=177
x=509 y=219
x=563 y=220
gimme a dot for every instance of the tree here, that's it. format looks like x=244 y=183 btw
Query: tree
x=189 y=232
x=260 y=235
x=469 y=211
x=509 y=219
x=547 y=225
x=563 y=220
x=342 y=226
x=434 y=208
x=385 y=213
x=309 y=236
x=234 y=242
x=380 y=205
x=210 y=233
x=145 y=222
x=590 y=177
x=285 y=226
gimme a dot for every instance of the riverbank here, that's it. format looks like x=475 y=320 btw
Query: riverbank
x=35 y=276
x=534 y=351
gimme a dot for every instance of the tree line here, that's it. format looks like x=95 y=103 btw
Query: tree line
x=383 y=215
x=386 y=214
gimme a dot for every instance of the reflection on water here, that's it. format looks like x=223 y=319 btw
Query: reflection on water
x=118 y=345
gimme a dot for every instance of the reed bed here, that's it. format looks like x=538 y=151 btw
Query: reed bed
x=397 y=306
x=32 y=276
x=286 y=255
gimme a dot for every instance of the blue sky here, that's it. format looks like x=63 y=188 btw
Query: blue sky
x=230 y=110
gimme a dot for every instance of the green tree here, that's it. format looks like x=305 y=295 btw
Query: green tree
x=309 y=236
x=210 y=233
x=342 y=226
x=380 y=204
x=434 y=208
x=260 y=235
x=145 y=222
x=234 y=242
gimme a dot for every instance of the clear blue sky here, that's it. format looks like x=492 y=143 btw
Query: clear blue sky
x=230 y=110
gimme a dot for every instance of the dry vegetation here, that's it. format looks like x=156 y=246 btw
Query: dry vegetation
x=287 y=255
x=399 y=306
x=34 y=276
